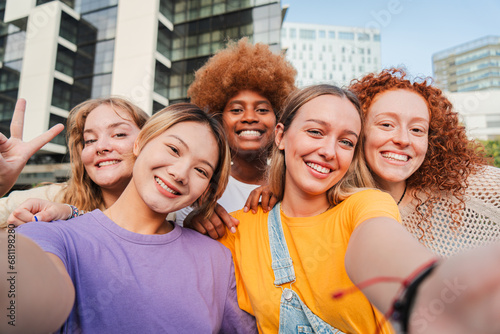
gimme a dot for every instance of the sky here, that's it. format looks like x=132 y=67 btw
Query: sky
x=411 y=30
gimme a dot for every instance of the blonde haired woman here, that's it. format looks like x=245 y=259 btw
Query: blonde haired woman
x=100 y=134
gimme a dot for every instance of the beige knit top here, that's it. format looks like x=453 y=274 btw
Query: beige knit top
x=480 y=220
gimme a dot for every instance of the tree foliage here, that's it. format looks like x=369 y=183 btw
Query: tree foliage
x=492 y=150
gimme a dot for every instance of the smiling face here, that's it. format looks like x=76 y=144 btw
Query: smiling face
x=397 y=126
x=109 y=136
x=174 y=169
x=249 y=122
x=319 y=146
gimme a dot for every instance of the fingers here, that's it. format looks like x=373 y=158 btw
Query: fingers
x=252 y=202
x=3 y=139
x=44 y=138
x=229 y=221
x=20 y=216
x=17 y=123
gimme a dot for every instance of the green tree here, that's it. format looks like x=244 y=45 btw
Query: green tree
x=492 y=150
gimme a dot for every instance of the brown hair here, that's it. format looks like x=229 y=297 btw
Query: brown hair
x=357 y=176
x=81 y=191
x=242 y=66
x=451 y=157
x=187 y=112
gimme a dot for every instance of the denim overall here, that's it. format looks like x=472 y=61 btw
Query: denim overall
x=295 y=316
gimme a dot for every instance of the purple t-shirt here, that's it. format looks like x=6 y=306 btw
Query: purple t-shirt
x=125 y=282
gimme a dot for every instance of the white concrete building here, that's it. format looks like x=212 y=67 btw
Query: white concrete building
x=480 y=112
x=330 y=54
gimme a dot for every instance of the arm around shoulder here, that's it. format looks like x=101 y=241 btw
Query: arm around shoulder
x=39 y=292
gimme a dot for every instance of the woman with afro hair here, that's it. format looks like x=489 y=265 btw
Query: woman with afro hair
x=244 y=86
x=418 y=151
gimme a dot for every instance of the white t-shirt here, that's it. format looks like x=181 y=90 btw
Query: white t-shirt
x=233 y=199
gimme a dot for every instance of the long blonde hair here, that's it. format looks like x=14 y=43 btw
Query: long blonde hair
x=81 y=191
x=357 y=177
x=187 y=112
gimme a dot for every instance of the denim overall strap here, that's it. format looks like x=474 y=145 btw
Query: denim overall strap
x=295 y=316
x=282 y=262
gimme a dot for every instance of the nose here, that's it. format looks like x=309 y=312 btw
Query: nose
x=249 y=116
x=180 y=173
x=328 y=151
x=402 y=137
x=103 y=144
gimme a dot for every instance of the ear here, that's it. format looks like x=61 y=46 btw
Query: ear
x=136 y=150
x=279 y=132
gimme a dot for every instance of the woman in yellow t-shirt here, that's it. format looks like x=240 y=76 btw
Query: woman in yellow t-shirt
x=330 y=232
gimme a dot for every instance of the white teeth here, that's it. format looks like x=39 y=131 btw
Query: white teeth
x=249 y=133
x=319 y=168
x=108 y=163
x=394 y=156
x=164 y=186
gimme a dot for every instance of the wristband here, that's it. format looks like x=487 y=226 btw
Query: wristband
x=74 y=211
x=402 y=306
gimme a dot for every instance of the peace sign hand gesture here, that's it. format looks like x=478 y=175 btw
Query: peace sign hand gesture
x=14 y=153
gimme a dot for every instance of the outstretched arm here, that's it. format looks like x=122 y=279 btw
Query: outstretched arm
x=37 y=292
x=14 y=153
x=460 y=296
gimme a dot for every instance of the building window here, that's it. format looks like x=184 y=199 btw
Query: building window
x=322 y=34
x=60 y=139
x=346 y=35
x=65 y=61
x=162 y=74
x=293 y=33
x=376 y=37
x=68 y=28
x=331 y=34
x=363 y=37
x=164 y=44
x=307 y=34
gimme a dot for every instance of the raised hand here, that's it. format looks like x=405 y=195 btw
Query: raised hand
x=14 y=153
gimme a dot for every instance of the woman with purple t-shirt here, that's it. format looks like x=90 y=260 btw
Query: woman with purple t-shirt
x=128 y=269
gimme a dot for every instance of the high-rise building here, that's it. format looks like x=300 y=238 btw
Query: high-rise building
x=56 y=54
x=471 y=66
x=330 y=54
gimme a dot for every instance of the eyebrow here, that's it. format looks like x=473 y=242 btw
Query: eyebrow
x=111 y=126
x=243 y=102
x=396 y=114
x=183 y=143
x=330 y=125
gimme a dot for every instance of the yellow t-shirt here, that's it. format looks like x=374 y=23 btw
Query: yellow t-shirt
x=317 y=246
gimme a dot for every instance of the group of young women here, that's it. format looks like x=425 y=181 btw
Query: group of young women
x=124 y=267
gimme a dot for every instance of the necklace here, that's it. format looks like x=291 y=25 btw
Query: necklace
x=402 y=196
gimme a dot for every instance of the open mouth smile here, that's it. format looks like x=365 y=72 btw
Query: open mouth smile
x=164 y=186
x=249 y=133
x=318 y=168
x=396 y=157
x=107 y=163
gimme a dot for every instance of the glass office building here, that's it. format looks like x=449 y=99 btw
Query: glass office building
x=472 y=66
x=56 y=54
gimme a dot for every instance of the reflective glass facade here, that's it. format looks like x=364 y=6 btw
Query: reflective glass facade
x=472 y=66
x=204 y=26
x=86 y=44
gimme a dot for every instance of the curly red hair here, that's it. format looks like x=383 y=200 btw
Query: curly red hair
x=242 y=66
x=451 y=157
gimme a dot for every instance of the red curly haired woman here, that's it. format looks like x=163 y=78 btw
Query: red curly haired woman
x=244 y=86
x=418 y=151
